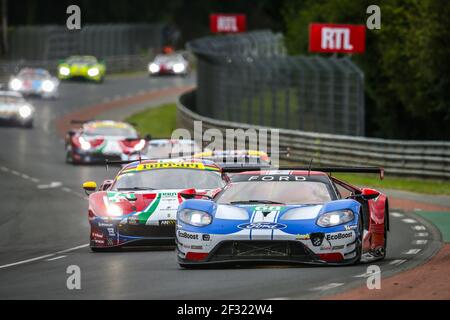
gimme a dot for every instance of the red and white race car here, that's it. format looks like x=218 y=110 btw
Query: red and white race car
x=139 y=206
x=97 y=141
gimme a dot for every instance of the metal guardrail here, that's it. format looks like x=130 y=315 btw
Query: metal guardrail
x=399 y=157
x=249 y=78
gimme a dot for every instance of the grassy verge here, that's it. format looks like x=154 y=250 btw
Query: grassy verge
x=161 y=121
x=158 y=122
x=409 y=184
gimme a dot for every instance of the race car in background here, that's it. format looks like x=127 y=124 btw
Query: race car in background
x=15 y=110
x=173 y=63
x=138 y=207
x=292 y=215
x=171 y=148
x=99 y=140
x=35 y=81
x=225 y=158
x=84 y=67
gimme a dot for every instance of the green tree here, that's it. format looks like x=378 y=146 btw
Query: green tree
x=406 y=64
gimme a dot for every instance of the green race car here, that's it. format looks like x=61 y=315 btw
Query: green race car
x=87 y=67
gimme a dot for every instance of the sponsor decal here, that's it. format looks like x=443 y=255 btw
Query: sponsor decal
x=206 y=237
x=338 y=247
x=163 y=165
x=105 y=225
x=97 y=235
x=262 y=225
x=302 y=237
x=187 y=235
x=133 y=220
x=339 y=235
x=167 y=222
x=111 y=231
x=276 y=178
x=196 y=247
x=351 y=227
x=317 y=238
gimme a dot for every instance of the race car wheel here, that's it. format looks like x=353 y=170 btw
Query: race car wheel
x=359 y=241
x=69 y=158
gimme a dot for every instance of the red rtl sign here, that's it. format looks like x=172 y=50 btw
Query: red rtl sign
x=343 y=38
x=229 y=23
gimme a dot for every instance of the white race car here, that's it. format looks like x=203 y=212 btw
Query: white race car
x=14 y=109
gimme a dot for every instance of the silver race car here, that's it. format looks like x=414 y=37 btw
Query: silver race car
x=174 y=63
x=35 y=81
x=15 y=110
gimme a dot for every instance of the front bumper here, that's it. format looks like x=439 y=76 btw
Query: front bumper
x=114 y=235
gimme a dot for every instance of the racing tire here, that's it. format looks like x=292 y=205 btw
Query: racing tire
x=28 y=125
x=69 y=158
x=359 y=241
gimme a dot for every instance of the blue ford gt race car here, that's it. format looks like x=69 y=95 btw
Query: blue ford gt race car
x=287 y=216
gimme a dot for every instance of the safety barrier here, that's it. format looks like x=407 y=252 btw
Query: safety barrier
x=399 y=157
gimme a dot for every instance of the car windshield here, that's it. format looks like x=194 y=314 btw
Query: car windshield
x=34 y=74
x=285 y=192
x=169 y=58
x=111 y=131
x=73 y=60
x=160 y=179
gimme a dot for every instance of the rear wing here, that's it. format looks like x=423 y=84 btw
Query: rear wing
x=379 y=170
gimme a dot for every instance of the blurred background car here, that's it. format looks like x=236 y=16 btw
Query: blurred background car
x=99 y=140
x=171 y=148
x=15 y=110
x=34 y=81
x=172 y=63
x=82 y=67
x=231 y=158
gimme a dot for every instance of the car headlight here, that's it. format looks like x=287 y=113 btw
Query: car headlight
x=335 y=218
x=178 y=67
x=48 y=86
x=15 y=84
x=115 y=210
x=85 y=145
x=153 y=68
x=195 y=217
x=25 y=111
x=64 y=71
x=140 y=145
x=92 y=72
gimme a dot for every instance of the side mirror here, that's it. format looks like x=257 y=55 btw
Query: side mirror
x=369 y=194
x=89 y=186
x=148 y=137
x=71 y=133
x=188 y=193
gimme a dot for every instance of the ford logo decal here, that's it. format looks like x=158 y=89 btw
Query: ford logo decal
x=262 y=225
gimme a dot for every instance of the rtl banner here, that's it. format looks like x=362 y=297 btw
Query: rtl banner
x=342 y=38
x=228 y=23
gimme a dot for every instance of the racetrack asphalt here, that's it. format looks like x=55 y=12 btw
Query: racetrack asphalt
x=44 y=227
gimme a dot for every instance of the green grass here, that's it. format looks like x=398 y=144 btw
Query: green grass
x=158 y=122
x=408 y=184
